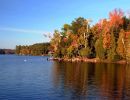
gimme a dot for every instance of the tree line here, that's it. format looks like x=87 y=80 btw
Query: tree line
x=35 y=49
x=107 y=39
x=7 y=51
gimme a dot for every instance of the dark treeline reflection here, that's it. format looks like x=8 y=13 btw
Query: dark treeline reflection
x=89 y=80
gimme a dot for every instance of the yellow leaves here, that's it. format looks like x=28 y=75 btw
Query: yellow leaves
x=121 y=46
x=106 y=40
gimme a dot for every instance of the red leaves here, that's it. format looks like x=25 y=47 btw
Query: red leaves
x=127 y=34
x=65 y=39
x=115 y=20
x=74 y=43
x=116 y=17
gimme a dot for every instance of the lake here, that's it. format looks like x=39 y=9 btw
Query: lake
x=35 y=78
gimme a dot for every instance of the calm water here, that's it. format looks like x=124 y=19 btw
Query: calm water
x=35 y=78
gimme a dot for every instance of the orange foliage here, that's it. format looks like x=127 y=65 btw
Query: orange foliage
x=106 y=40
x=74 y=42
x=100 y=24
x=106 y=34
x=116 y=17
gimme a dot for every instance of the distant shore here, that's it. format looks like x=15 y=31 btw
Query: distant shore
x=7 y=51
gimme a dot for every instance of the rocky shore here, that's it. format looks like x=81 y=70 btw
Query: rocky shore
x=93 y=60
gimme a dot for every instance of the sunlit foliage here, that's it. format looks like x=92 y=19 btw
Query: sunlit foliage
x=102 y=40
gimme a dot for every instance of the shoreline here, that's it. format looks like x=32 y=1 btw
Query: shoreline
x=93 y=60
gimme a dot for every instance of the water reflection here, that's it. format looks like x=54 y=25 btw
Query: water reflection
x=95 y=81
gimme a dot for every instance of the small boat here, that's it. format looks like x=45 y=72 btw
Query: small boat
x=49 y=58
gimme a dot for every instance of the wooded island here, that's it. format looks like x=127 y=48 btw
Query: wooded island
x=109 y=39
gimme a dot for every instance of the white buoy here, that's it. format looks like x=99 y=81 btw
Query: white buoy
x=25 y=60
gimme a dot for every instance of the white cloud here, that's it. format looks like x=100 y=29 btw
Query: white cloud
x=23 y=30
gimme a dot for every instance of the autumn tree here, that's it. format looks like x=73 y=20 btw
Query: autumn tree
x=18 y=48
x=111 y=53
x=116 y=18
x=65 y=29
x=106 y=34
x=96 y=30
x=77 y=24
x=102 y=40
x=55 y=40
x=116 y=21
x=100 y=51
x=121 y=44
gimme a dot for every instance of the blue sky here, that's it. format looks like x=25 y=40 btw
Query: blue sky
x=23 y=22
